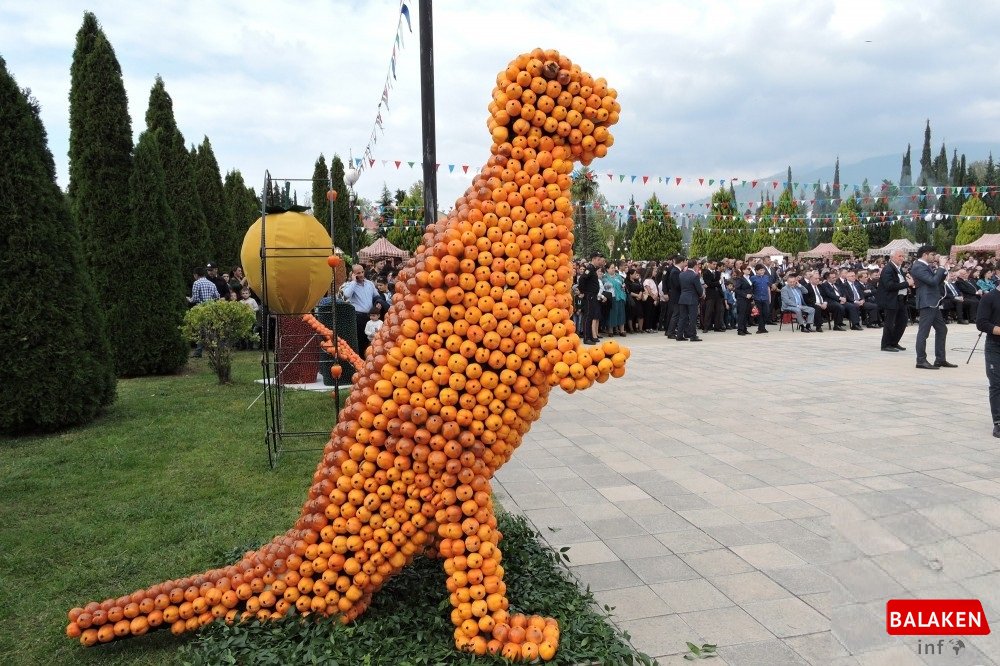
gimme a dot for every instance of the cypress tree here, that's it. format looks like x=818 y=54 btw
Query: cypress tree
x=341 y=208
x=146 y=330
x=187 y=216
x=926 y=166
x=208 y=180
x=100 y=150
x=836 y=186
x=320 y=185
x=56 y=370
x=631 y=219
x=242 y=205
x=385 y=205
x=941 y=167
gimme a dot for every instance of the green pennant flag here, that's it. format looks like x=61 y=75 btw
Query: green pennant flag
x=411 y=164
x=621 y=178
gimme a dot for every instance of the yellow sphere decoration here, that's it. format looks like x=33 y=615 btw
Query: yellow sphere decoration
x=296 y=277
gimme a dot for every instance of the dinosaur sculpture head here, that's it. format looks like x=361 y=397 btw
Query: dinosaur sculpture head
x=543 y=100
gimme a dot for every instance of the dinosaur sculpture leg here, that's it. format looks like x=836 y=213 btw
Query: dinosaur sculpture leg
x=478 y=333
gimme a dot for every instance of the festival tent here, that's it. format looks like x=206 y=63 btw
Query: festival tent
x=904 y=244
x=769 y=251
x=985 y=244
x=824 y=250
x=382 y=249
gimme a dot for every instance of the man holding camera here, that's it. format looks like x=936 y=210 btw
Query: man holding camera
x=929 y=277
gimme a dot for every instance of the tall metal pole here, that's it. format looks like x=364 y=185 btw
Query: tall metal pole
x=427 y=111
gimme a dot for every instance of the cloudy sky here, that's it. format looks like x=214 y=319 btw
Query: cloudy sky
x=708 y=89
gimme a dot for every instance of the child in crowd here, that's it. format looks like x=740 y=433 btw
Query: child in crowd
x=247 y=299
x=374 y=323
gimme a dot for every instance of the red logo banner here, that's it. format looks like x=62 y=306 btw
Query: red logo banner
x=935 y=617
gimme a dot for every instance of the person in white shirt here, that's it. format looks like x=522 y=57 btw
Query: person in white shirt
x=361 y=292
x=373 y=326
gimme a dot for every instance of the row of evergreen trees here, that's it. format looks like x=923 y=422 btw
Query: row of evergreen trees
x=93 y=283
x=861 y=219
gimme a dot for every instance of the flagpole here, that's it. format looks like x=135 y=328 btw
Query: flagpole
x=427 y=111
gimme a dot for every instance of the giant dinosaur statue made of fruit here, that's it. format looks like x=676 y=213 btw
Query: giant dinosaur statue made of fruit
x=478 y=333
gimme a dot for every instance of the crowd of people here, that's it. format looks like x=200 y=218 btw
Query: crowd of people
x=678 y=296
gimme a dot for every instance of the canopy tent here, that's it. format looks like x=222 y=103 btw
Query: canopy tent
x=825 y=250
x=768 y=251
x=904 y=244
x=987 y=243
x=382 y=249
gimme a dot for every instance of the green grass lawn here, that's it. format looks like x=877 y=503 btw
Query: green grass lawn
x=174 y=476
x=174 y=480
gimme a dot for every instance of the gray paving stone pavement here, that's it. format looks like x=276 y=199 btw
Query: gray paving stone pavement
x=770 y=494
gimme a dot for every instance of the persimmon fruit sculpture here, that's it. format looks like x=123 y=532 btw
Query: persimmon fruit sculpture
x=478 y=332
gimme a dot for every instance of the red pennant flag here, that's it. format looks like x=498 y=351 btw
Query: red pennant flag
x=465 y=168
x=371 y=162
x=645 y=179
x=774 y=184
x=611 y=176
x=437 y=166
x=701 y=181
x=753 y=183
x=678 y=181
x=398 y=163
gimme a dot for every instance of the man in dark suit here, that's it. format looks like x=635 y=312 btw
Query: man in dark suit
x=715 y=303
x=691 y=294
x=870 y=310
x=854 y=301
x=673 y=290
x=771 y=270
x=928 y=277
x=893 y=285
x=953 y=301
x=589 y=285
x=815 y=300
x=970 y=296
x=743 y=289
x=836 y=300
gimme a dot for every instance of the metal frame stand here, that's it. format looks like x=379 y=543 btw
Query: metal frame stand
x=275 y=431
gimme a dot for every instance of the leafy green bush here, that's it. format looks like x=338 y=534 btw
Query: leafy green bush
x=217 y=325
x=408 y=622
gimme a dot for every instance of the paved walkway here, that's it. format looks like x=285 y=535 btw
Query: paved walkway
x=770 y=493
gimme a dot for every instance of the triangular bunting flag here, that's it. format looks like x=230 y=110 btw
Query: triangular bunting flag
x=411 y=164
x=678 y=181
x=645 y=179
x=398 y=163
x=701 y=181
x=451 y=168
x=405 y=11
x=465 y=168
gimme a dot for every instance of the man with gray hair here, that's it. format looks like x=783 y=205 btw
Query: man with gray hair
x=793 y=300
x=893 y=285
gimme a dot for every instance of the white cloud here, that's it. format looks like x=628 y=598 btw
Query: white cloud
x=714 y=89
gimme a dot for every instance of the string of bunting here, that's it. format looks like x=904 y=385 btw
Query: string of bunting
x=368 y=156
x=764 y=185
x=780 y=223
